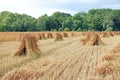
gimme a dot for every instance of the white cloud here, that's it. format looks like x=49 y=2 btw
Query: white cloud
x=37 y=8
x=34 y=8
x=49 y=11
x=63 y=1
x=88 y=1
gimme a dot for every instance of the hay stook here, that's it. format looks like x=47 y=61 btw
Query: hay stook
x=92 y=39
x=65 y=35
x=28 y=45
x=86 y=39
x=106 y=68
x=49 y=36
x=72 y=34
x=106 y=34
x=39 y=36
x=58 y=37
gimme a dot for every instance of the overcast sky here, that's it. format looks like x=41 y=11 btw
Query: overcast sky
x=37 y=8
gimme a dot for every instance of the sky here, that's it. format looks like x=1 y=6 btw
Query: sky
x=37 y=8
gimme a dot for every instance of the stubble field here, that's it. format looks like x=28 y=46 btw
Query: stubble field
x=60 y=60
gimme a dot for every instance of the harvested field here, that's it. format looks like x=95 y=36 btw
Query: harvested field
x=61 y=60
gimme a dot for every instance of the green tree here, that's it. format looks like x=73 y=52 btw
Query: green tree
x=41 y=23
x=68 y=23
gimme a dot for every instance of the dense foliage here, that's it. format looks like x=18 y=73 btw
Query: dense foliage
x=93 y=20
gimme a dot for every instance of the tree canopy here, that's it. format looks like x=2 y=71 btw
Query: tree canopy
x=93 y=20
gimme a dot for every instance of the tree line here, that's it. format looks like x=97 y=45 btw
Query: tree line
x=93 y=20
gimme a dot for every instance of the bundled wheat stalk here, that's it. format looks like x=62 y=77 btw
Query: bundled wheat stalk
x=39 y=36
x=106 y=68
x=106 y=34
x=92 y=39
x=96 y=40
x=58 y=37
x=20 y=37
x=49 y=36
x=43 y=35
x=65 y=35
x=72 y=34
x=28 y=45
x=86 y=39
x=110 y=34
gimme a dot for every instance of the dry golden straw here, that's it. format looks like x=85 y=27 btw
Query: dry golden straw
x=28 y=45
x=58 y=37
x=65 y=34
x=49 y=36
x=106 y=68
x=22 y=75
x=92 y=39
x=109 y=57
